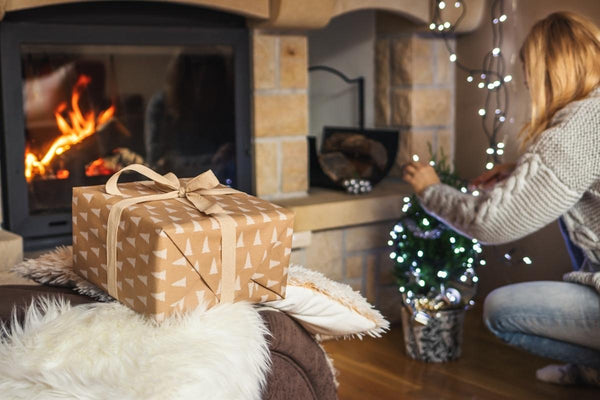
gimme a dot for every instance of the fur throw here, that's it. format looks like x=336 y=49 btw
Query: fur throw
x=55 y=268
x=107 y=351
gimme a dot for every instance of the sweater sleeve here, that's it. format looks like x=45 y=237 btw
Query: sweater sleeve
x=547 y=181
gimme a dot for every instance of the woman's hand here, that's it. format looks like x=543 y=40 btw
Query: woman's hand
x=419 y=175
x=488 y=179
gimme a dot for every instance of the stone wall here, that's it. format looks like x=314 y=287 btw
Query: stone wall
x=415 y=92
x=280 y=114
x=356 y=255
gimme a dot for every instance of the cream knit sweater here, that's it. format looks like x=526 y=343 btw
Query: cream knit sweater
x=559 y=175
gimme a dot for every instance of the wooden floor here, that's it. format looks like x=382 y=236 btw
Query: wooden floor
x=378 y=369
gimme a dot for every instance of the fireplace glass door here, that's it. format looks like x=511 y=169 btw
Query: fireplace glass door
x=90 y=110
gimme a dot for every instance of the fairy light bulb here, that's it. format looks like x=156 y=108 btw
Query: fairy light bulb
x=500 y=152
x=489 y=165
x=432 y=163
x=452 y=57
x=481 y=85
x=475 y=193
x=442 y=274
x=508 y=78
x=481 y=112
x=440 y=27
x=496 y=51
x=500 y=145
x=469 y=79
x=447 y=25
x=491 y=86
x=432 y=26
x=482 y=262
x=415 y=158
x=442 y=5
x=502 y=18
x=457 y=4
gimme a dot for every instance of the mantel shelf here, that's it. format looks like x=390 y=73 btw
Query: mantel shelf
x=329 y=209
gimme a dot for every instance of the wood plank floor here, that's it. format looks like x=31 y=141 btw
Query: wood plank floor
x=488 y=370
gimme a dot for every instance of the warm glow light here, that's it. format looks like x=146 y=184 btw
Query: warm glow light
x=79 y=128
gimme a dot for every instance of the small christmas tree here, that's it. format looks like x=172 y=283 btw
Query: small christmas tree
x=435 y=265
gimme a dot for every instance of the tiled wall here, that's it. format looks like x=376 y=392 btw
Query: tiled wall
x=280 y=114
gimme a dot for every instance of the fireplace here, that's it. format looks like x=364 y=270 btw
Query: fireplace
x=87 y=91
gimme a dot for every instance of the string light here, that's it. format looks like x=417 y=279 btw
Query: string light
x=492 y=72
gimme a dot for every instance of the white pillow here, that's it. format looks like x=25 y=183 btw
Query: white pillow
x=327 y=308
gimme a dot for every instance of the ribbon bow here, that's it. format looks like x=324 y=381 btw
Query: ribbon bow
x=170 y=187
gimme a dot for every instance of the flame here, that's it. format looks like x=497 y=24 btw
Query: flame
x=98 y=167
x=81 y=126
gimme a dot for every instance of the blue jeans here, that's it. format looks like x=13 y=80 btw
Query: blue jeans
x=558 y=320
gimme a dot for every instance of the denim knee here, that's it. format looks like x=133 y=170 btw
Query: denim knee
x=495 y=309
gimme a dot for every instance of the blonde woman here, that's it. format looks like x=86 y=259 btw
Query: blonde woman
x=558 y=176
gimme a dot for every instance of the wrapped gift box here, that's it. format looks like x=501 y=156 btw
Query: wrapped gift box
x=169 y=254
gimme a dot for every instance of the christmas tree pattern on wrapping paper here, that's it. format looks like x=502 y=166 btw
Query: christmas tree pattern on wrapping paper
x=168 y=252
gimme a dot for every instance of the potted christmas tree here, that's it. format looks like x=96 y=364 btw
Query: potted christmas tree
x=435 y=271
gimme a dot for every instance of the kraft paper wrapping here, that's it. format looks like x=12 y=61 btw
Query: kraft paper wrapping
x=169 y=253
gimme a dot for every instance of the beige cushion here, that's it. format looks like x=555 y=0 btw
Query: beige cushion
x=328 y=308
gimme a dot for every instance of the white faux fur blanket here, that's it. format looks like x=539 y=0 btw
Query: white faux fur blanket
x=107 y=351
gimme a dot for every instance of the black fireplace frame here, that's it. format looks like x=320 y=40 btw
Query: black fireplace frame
x=161 y=29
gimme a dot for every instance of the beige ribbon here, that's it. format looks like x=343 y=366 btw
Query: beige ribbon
x=170 y=187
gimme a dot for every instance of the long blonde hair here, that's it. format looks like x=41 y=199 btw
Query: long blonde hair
x=561 y=58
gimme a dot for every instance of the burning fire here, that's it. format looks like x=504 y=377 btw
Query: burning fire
x=80 y=127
